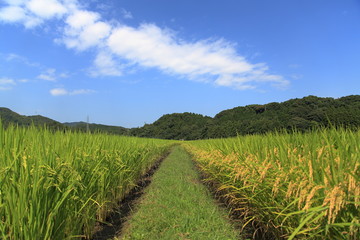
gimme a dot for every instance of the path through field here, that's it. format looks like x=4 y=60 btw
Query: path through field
x=177 y=205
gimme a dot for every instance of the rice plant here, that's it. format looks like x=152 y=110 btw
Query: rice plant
x=298 y=186
x=56 y=185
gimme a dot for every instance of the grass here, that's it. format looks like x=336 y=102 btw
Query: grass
x=178 y=206
x=298 y=186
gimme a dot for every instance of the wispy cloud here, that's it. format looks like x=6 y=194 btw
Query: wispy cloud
x=51 y=75
x=63 y=92
x=296 y=76
x=58 y=92
x=214 y=61
x=6 y=83
x=9 y=83
x=17 y=58
x=103 y=7
x=48 y=75
x=24 y=80
x=105 y=65
x=126 y=14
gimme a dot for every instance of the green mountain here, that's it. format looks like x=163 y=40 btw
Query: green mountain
x=93 y=127
x=179 y=126
x=7 y=116
x=302 y=114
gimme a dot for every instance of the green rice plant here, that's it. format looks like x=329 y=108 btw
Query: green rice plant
x=295 y=185
x=56 y=185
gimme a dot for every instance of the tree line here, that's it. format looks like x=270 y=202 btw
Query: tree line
x=301 y=114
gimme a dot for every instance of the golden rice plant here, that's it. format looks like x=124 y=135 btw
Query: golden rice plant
x=303 y=186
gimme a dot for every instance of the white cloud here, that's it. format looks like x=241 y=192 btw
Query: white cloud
x=46 y=8
x=103 y=7
x=83 y=30
x=14 y=57
x=58 y=92
x=48 y=75
x=6 y=83
x=51 y=75
x=93 y=34
x=105 y=65
x=81 y=19
x=32 y=13
x=12 y=14
x=216 y=61
x=126 y=14
x=211 y=61
x=63 y=92
x=24 y=80
x=81 y=91
x=63 y=75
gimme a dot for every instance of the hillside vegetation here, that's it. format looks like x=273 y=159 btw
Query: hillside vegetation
x=175 y=126
x=7 y=116
x=94 y=128
x=303 y=114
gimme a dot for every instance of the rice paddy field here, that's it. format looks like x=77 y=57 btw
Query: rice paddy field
x=57 y=185
x=296 y=186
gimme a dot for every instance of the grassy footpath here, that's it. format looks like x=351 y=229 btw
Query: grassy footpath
x=177 y=206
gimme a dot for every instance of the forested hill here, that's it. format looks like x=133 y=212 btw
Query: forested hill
x=93 y=127
x=7 y=116
x=175 y=126
x=303 y=114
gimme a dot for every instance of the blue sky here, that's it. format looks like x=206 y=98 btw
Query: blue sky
x=126 y=62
